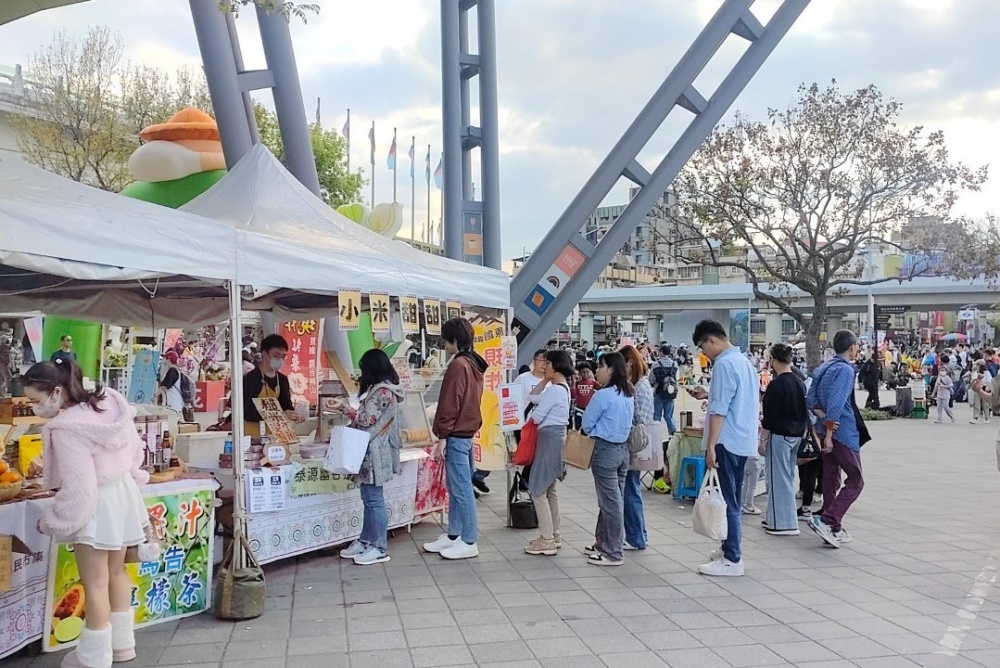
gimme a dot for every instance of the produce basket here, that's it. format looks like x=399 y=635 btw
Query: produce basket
x=9 y=490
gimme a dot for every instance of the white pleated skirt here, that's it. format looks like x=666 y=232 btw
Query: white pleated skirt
x=120 y=520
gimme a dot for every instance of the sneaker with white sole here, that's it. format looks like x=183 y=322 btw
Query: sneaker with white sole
x=716 y=554
x=630 y=546
x=722 y=568
x=355 y=549
x=598 y=559
x=823 y=530
x=373 y=555
x=442 y=543
x=782 y=532
x=542 y=546
x=557 y=539
x=843 y=537
x=751 y=510
x=805 y=514
x=590 y=549
x=460 y=550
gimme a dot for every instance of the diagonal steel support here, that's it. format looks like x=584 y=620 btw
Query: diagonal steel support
x=558 y=274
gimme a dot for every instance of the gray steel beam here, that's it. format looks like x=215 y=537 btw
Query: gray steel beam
x=234 y=40
x=451 y=107
x=489 y=125
x=221 y=76
x=536 y=328
x=288 y=105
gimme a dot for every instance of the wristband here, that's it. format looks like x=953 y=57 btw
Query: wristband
x=831 y=426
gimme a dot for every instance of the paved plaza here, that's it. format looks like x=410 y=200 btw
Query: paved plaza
x=914 y=588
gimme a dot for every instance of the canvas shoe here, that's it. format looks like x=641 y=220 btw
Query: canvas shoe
x=823 y=530
x=843 y=537
x=461 y=550
x=541 y=546
x=355 y=549
x=373 y=555
x=442 y=543
x=722 y=568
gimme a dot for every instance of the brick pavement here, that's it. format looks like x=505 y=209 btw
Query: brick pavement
x=914 y=588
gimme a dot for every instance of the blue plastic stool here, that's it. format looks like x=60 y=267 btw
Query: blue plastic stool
x=694 y=467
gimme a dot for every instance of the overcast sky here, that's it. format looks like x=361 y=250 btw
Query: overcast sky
x=573 y=74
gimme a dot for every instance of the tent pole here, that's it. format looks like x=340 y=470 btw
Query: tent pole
x=236 y=399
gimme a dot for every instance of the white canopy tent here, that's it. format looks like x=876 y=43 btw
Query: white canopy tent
x=292 y=239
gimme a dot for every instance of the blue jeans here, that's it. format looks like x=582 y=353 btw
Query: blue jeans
x=609 y=466
x=731 y=481
x=664 y=408
x=782 y=457
x=461 y=498
x=375 y=525
x=635 y=521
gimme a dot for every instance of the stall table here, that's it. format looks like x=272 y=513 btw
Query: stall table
x=178 y=586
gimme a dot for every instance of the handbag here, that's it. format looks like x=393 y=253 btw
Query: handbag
x=346 y=451
x=808 y=447
x=650 y=459
x=578 y=450
x=239 y=593
x=148 y=551
x=638 y=439
x=709 y=515
x=525 y=453
x=521 y=507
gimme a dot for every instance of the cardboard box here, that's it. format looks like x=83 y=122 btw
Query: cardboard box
x=9 y=545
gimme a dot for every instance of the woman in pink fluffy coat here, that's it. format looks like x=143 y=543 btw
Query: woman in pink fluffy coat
x=92 y=455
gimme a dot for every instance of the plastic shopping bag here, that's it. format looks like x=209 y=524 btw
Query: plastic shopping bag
x=709 y=515
x=347 y=450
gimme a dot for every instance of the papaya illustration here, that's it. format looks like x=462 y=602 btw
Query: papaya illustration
x=70 y=604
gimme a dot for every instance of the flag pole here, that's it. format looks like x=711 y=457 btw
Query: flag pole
x=427 y=174
x=371 y=136
x=319 y=122
x=347 y=136
x=413 y=188
x=395 y=164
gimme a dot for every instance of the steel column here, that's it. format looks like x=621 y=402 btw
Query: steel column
x=451 y=103
x=490 y=121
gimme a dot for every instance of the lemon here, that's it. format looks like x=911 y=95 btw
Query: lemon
x=69 y=629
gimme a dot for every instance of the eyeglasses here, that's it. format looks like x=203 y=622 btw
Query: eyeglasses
x=702 y=342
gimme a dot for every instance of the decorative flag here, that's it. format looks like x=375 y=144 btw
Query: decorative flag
x=427 y=166
x=371 y=140
x=391 y=160
x=408 y=308
x=346 y=131
x=378 y=304
x=439 y=174
x=349 y=305
x=413 y=152
x=432 y=316
x=317 y=111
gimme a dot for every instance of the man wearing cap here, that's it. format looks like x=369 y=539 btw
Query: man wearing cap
x=170 y=382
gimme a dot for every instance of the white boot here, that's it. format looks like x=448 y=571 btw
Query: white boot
x=93 y=651
x=123 y=636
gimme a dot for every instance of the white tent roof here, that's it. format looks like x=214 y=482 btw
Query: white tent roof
x=300 y=243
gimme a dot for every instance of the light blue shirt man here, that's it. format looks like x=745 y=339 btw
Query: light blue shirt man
x=734 y=394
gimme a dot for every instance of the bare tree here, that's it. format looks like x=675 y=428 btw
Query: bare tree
x=804 y=194
x=82 y=115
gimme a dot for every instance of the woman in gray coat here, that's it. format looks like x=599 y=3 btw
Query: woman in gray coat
x=380 y=394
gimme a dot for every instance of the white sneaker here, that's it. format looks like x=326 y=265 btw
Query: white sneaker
x=716 y=554
x=823 y=530
x=751 y=510
x=372 y=555
x=442 y=543
x=722 y=568
x=355 y=549
x=460 y=550
x=842 y=536
x=782 y=532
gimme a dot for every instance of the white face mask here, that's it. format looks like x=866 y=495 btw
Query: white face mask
x=49 y=408
x=276 y=363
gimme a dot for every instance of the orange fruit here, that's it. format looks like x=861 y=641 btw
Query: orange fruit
x=3 y=466
x=9 y=477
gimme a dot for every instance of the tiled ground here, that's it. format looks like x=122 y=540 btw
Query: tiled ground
x=914 y=588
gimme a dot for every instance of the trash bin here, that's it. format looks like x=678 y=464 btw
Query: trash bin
x=904 y=401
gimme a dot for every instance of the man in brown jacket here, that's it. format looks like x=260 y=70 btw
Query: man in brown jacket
x=456 y=421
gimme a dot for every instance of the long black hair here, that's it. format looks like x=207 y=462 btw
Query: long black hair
x=619 y=373
x=376 y=368
x=47 y=376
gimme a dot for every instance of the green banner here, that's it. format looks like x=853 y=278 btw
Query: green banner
x=177 y=585
x=314 y=479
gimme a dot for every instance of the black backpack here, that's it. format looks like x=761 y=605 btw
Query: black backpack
x=665 y=381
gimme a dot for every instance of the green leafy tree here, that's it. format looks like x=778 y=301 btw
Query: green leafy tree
x=803 y=195
x=337 y=185
x=289 y=10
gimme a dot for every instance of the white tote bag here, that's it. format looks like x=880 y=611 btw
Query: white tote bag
x=651 y=459
x=709 y=515
x=347 y=450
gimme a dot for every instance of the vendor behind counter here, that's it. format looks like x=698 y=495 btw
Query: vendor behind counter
x=267 y=381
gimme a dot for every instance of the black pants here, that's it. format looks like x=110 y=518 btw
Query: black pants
x=873 y=401
x=810 y=480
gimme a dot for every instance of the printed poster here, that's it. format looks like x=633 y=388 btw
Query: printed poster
x=278 y=424
x=378 y=304
x=302 y=363
x=177 y=585
x=432 y=316
x=509 y=344
x=512 y=405
x=453 y=309
x=349 y=302
x=489 y=444
x=265 y=489
x=142 y=385
x=410 y=311
x=312 y=478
